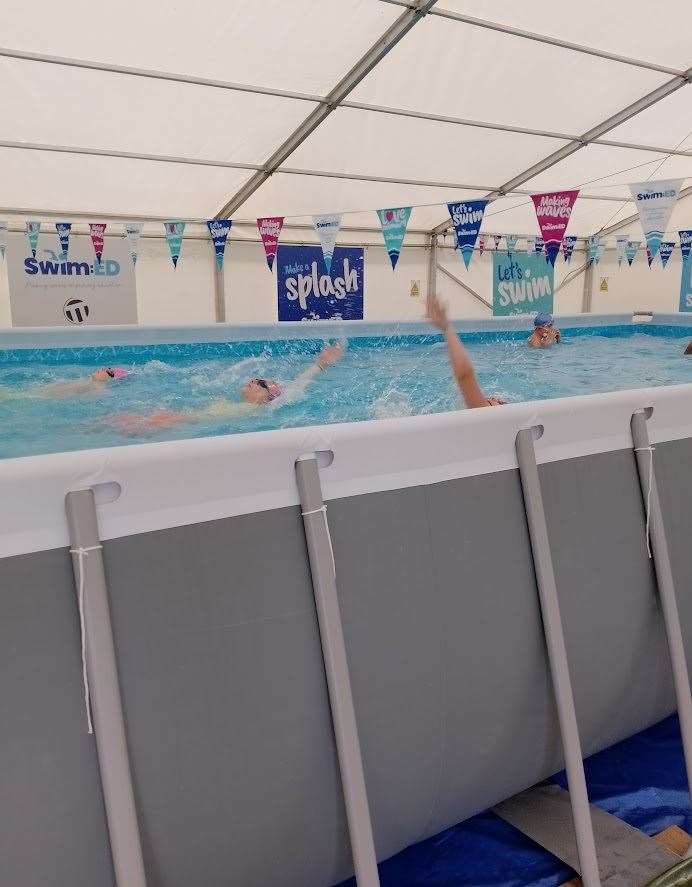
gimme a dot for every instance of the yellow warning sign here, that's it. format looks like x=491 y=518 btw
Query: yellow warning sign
x=415 y=289
x=604 y=284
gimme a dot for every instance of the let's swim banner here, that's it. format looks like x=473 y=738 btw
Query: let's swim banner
x=665 y=251
x=306 y=291
x=655 y=202
x=218 y=231
x=685 y=242
x=63 y=229
x=327 y=228
x=394 y=223
x=553 y=211
x=568 y=244
x=522 y=284
x=174 y=237
x=467 y=218
x=269 y=229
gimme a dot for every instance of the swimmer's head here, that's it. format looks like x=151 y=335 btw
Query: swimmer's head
x=260 y=391
x=543 y=320
x=106 y=374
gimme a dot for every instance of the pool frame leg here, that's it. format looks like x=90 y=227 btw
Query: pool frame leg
x=106 y=703
x=336 y=669
x=665 y=583
x=557 y=656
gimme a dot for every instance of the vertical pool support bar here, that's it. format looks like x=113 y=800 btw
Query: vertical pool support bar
x=644 y=453
x=104 y=693
x=557 y=656
x=323 y=570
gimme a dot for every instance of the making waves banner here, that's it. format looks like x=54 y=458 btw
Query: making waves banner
x=655 y=202
x=467 y=217
x=553 y=211
x=394 y=223
x=306 y=292
x=96 y=233
x=522 y=284
x=269 y=229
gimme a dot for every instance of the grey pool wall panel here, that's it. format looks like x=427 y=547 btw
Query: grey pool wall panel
x=226 y=706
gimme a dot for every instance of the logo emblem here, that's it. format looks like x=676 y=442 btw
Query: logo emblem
x=76 y=311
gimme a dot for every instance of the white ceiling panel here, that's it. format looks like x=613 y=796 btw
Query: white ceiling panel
x=667 y=124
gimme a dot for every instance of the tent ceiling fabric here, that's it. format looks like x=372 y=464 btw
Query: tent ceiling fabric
x=442 y=66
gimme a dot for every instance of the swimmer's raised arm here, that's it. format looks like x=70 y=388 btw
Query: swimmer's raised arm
x=462 y=367
x=327 y=357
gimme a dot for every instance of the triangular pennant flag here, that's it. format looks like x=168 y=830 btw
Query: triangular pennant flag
x=394 y=223
x=174 y=237
x=621 y=247
x=540 y=245
x=132 y=232
x=96 y=231
x=685 y=243
x=553 y=211
x=649 y=255
x=631 y=250
x=511 y=242
x=63 y=229
x=270 y=230
x=218 y=231
x=530 y=245
x=467 y=217
x=655 y=202
x=665 y=251
x=592 y=249
x=481 y=243
x=32 y=232
x=568 y=243
x=497 y=238
x=3 y=238
x=327 y=227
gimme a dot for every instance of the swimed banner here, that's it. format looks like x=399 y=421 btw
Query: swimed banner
x=523 y=283
x=46 y=290
x=306 y=291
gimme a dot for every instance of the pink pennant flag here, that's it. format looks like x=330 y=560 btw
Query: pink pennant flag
x=553 y=211
x=96 y=230
x=270 y=231
x=481 y=243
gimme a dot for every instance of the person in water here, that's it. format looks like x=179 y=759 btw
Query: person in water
x=688 y=350
x=459 y=359
x=93 y=384
x=256 y=393
x=544 y=333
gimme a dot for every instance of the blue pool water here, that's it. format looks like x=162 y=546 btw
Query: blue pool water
x=378 y=378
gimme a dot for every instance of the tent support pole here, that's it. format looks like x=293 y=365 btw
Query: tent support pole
x=432 y=265
x=219 y=294
x=587 y=292
x=557 y=656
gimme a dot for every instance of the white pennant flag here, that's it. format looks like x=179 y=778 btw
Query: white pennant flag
x=132 y=232
x=655 y=202
x=327 y=228
x=3 y=238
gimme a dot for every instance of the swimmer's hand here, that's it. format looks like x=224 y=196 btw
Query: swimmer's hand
x=329 y=356
x=436 y=313
x=496 y=402
x=138 y=425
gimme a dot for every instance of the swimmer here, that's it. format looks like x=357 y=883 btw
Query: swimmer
x=255 y=393
x=95 y=383
x=459 y=359
x=544 y=334
x=688 y=350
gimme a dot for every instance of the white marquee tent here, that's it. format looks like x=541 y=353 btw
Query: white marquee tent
x=152 y=110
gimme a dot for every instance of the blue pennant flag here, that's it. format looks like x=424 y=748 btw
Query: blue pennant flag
x=568 y=242
x=63 y=229
x=631 y=250
x=218 y=231
x=540 y=245
x=685 y=243
x=394 y=223
x=665 y=251
x=467 y=217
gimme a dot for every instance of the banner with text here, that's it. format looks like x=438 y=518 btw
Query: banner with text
x=63 y=229
x=269 y=229
x=394 y=223
x=96 y=232
x=655 y=202
x=467 y=217
x=48 y=291
x=522 y=284
x=621 y=247
x=568 y=243
x=218 y=231
x=631 y=250
x=174 y=238
x=327 y=227
x=665 y=251
x=307 y=291
x=553 y=211
x=685 y=242
x=132 y=233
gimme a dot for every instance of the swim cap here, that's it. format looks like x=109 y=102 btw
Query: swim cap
x=273 y=390
x=543 y=320
x=118 y=372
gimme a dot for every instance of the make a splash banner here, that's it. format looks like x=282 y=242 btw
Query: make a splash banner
x=305 y=292
x=96 y=232
x=631 y=250
x=327 y=227
x=132 y=232
x=269 y=229
x=467 y=217
x=3 y=239
x=621 y=247
x=568 y=244
x=394 y=223
x=665 y=251
x=218 y=231
x=174 y=238
x=685 y=242
x=553 y=211
x=655 y=202
x=63 y=229
x=511 y=242
x=522 y=284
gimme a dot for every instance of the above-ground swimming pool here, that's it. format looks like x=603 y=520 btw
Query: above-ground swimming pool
x=206 y=584
x=381 y=376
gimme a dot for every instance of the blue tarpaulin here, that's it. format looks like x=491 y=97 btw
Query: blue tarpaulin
x=642 y=780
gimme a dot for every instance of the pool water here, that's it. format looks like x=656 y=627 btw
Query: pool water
x=378 y=378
